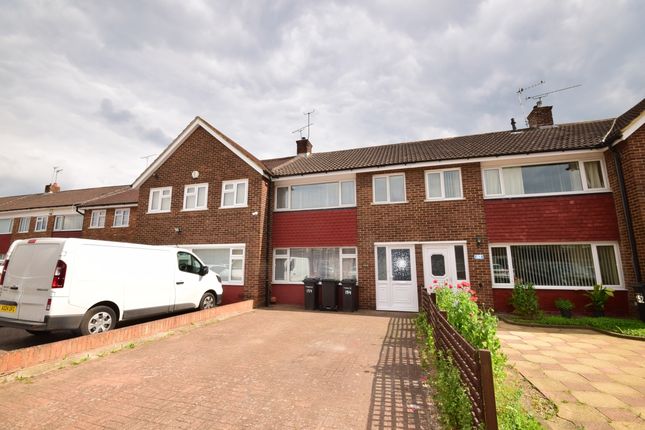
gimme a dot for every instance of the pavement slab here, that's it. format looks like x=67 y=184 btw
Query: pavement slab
x=597 y=381
x=271 y=368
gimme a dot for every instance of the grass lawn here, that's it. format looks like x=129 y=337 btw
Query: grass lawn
x=617 y=325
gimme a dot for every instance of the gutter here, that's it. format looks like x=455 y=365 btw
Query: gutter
x=625 y=202
x=77 y=210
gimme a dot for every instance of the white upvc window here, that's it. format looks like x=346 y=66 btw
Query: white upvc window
x=196 y=197
x=225 y=260
x=6 y=225
x=98 y=218
x=41 y=223
x=121 y=217
x=23 y=227
x=160 y=199
x=68 y=223
x=235 y=193
x=388 y=188
x=556 y=265
x=324 y=195
x=546 y=178
x=293 y=265
x=443 y=184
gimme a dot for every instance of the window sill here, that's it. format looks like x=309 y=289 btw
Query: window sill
x=568 y=193
x=120 y=226
x=563 y=288
x=194 y=210
x=389 y=203
x=63 y=231
x=96 y=228
x=232 y=284
x=234 y=207
x=157 y=212
x=445 y=200
x=37 y=231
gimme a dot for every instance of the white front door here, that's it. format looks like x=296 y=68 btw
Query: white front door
x=444 y=263
x=396 y=278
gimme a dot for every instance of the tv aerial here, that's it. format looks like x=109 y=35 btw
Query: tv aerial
x=539 y=97
x=520 y=97
x=307 y=127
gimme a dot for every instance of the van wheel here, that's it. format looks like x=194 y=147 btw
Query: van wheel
x=98 y=320
x=207 y=301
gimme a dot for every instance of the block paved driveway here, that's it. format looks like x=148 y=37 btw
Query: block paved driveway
x=597 y=381
x=265 y=369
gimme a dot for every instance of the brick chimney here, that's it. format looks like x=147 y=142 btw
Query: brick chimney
x=304 y=147
x=540 y=116
x=52 y=188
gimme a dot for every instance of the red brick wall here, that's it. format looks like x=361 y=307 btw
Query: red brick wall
x=632 y=154
x=616 y=306
x=331 y=227
x=215 y=163
x=419 y=220
x=7 y=239
x=589 y=217
x=116 y=234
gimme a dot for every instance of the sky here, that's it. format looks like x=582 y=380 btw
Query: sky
x=93 y=87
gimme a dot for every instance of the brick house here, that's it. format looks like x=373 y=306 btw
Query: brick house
x=545 y=204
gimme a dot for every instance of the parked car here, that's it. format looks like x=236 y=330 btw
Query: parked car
x=88 y=285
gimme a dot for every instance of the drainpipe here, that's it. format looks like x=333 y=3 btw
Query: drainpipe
x=267 y=241
x=628 y=214
x=78 y=211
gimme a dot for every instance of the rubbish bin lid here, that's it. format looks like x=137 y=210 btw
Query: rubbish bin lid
x=349 y=281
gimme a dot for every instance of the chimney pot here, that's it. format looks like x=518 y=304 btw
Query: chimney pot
x=513 y=124
x=54 y=188
x=540 y=116
x=303 y=147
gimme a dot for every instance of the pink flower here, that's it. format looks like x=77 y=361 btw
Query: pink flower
x=473 y=298
x=450 y=286
x=466 y=284
x=435 y=281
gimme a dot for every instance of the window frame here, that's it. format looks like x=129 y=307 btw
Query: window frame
x=43 y=220
x=125 y=214
x=442 y=181
x=101 y=219
x=10 y=230
x=235 y=182
x=60 y=227
x=231 y=257
x=161 y=197
x=583 y=177
x=287 y=255
x=594 y=254
x=196 y=193
x=21 y=227
x=339 y=182
x=387 y=189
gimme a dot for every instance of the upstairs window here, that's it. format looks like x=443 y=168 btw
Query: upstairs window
x=98 y=219
x=160 y=200
x=316 y=196
x=443 y=184
x=234 y=193
x=195 y=197
x=121 y=217
x=23 y=227
x=41 y=223
x=68 y=223
x=6 y=225
x=538 y=179
x=389 y=188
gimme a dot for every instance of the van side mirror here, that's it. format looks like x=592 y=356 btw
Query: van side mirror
x=203 y=271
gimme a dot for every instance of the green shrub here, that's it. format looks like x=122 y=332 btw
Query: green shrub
x=564 y=304
x=599 y=296
x=525 y=301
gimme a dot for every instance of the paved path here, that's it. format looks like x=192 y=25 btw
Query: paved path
x=265 y=369
x=597 y=381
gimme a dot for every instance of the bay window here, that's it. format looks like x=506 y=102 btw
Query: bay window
x=316 y=196
x=556 y=265
x=553 y=178
x=293 y=265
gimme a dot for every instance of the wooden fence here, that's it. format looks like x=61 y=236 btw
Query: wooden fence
x=475 y=366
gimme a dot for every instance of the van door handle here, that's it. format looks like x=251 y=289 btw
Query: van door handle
x=179 y=283
x=42 y=289
x=14 y=287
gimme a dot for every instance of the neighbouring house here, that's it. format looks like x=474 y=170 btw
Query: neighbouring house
x=558 y=205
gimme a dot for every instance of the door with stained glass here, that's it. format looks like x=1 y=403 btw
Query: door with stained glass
x=444 y=264
x=396 y=279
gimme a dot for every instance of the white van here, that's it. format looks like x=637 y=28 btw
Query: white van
x=89 y=285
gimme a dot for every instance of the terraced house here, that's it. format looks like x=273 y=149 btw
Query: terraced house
x=558 y=205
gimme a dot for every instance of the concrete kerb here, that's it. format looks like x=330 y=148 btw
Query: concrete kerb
x=16 y=360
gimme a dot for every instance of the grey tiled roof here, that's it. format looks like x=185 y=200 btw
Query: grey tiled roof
x=564 y=137
x=61 y=198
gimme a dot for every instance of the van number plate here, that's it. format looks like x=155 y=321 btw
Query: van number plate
x=8 y=308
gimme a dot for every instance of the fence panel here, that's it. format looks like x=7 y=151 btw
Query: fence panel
x=475 y=366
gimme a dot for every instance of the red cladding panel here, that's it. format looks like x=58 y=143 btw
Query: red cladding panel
x=5 y=242
x=616 y=306
x=590 y=217
x=331 y=227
